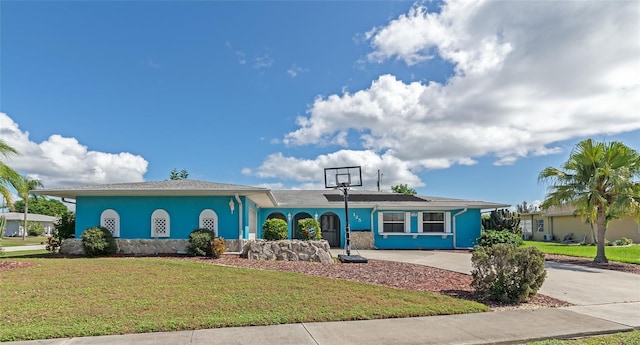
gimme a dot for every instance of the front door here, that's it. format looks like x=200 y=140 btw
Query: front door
x=330 y=225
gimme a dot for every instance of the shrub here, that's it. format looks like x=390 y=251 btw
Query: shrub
x=35 y=229
x=506 y=273
x=200 y=242
x=309 y=228
x=98 y=241
x=275 y=229
x=52 y=245
x=623 y=242
x=217 y=247
x=64 y=227
x=489 y=238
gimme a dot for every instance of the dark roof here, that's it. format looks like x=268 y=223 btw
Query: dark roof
x=390 y=197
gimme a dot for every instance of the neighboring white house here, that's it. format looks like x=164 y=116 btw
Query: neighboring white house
x=14 y=223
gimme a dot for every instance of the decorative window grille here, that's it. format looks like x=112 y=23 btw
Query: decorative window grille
x=209 y=223
x=110 y=219
x=160 y=224
x=110 y=224
x=208 y=220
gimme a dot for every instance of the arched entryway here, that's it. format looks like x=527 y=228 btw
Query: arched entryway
x=277 y=215
x=330 y=225
x=294 y=226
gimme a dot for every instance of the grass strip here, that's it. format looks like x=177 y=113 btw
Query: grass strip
x=101 y=296
x=626 y=338
x=629 y=254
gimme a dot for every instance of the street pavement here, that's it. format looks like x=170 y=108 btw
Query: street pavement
x=605 y=302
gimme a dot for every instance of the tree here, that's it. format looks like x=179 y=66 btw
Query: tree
x=403 y=189
x=8 y=177
x=601 y=181
x=526 y=208
x=24 y=187
x=179 y=175
x=40 y=205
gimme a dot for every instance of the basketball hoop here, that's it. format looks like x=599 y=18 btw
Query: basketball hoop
x=343 y=178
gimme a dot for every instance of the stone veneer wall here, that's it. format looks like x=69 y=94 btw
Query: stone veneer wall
x=288 y=250
x=73 y=246
x=362 y=240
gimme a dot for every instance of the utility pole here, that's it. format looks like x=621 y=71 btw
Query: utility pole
x=379 y=179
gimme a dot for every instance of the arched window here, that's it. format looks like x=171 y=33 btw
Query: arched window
x=110 y=219
x=208 y=220
x=160 y=223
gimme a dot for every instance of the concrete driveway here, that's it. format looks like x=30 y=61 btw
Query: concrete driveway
x=605 y=294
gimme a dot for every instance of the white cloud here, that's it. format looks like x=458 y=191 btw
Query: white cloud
x=308 y=173
x=527 y=74
x=262 y=61
x=294 y=70
x=60 y=161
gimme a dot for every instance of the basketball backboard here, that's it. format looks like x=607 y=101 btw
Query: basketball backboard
x=342 y=177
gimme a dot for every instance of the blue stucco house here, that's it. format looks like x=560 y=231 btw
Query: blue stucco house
x=170 y=210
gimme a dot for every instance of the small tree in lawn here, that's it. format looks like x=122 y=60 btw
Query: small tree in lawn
x=601 y=181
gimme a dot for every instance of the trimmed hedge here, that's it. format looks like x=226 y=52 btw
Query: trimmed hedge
x=200 y=242
x=98 y=241
x=275 y=229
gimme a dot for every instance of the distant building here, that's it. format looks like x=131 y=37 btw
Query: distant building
x=555 y=223
x=15 y=220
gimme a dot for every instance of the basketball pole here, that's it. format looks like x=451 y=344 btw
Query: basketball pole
x=346 y=217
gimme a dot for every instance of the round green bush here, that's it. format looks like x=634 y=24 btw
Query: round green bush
x=98 y=241
x=275 y=229
x=35 y=229
x=200 y=242
x=309 y=228
x=488 y=238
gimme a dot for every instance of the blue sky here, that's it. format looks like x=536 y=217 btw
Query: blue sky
x=459 y=99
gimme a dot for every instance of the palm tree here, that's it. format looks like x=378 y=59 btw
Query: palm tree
x=8 y=177
x=24 y=187
x=601 y=180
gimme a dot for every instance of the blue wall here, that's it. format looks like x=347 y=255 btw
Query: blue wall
x=135 y=214
x=468 y=227
x=135 y=220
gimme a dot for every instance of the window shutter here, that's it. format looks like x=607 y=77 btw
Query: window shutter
x=447 y=222
x=380 y=223
x=420 y=221
x=407 y=222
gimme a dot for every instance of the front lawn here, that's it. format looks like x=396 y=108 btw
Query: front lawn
x=629 y=254
x=84 y=297
x=626 y=338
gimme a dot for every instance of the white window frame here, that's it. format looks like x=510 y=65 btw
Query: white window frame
x=406 y=222
x=208 y=214
x=111 y=214
x=540 y=225
x=160 y=214
x=446 y=222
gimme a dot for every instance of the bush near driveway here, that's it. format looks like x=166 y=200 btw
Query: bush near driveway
x=505 y=273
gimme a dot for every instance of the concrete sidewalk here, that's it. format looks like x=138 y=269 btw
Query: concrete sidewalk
x=513 y=327
x=22 y=248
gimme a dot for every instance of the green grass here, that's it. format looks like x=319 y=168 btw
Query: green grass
x=85 y=297
x=627 y=338
x=17 y=241
x=628 y=254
